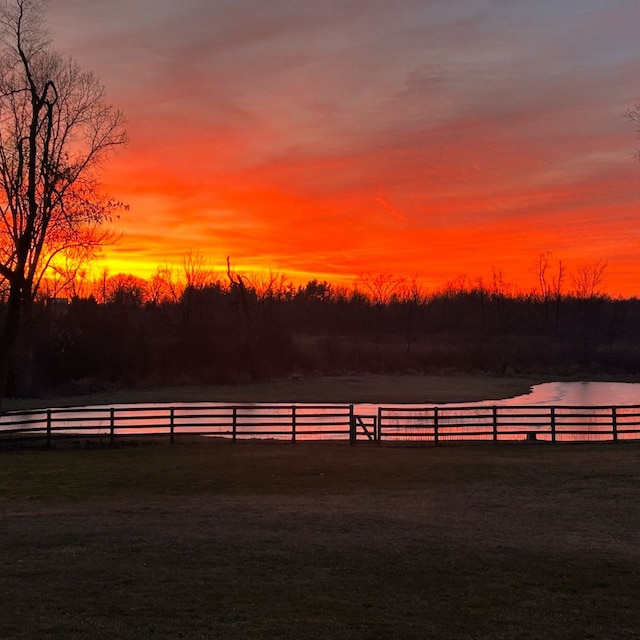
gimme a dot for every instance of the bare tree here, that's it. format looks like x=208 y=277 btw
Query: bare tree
x=55 y=130
x=551 y=285
x=269 y=286
x=588 y=278
x=413 y=296
x=197 y=271
x=164 y=286
x=380 y=287
x=100 y=286
x=456 y=287
x=541 y=267
x=126 y=290
x=238 y=291
x=634 y=115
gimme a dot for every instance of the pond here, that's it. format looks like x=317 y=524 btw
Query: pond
x=555 y=411
x=553 y=394
x=580 y=394
x=309 y=421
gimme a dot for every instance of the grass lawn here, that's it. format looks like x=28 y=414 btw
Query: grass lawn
x=321 y=540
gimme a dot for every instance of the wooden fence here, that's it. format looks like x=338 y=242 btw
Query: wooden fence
x=328 y=422
x=293 y=422
x=553 y=424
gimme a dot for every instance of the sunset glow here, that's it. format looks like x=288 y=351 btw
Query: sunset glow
x=329 y=140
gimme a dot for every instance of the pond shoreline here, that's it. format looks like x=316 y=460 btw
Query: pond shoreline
x=368 y=388
x=341 y=389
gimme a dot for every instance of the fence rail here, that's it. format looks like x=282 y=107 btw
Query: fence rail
x=554 y=424
x=323 y=421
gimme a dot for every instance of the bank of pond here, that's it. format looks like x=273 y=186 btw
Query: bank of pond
x=551 y=412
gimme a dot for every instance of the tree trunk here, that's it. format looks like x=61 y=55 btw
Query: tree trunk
x=9 y=336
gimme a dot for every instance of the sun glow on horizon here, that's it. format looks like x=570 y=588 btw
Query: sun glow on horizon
x=361 y=148
x=615 y=282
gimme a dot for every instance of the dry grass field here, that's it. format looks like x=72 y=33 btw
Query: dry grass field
x=320 y=540
x=343 y=389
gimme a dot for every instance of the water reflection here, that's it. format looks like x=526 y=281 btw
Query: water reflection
x=326 y=421
x=555 y=411
x=578 y=394
x=550 y=394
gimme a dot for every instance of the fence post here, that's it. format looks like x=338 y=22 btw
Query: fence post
x=352 y=426
x=112 y=425
x=171 y=425
x=435 y=425
x=234 y=424
x=48 y=428
x=293 y=423
x=495 y=424
x=553 y=424
x=379 y=426
x=614 y=424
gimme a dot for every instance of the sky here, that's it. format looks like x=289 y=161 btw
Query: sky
x=436 y=139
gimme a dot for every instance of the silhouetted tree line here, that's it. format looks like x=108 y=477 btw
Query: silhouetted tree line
x=134 y=333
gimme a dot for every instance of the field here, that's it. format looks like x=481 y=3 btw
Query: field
x=216 y=540
x=343 y=389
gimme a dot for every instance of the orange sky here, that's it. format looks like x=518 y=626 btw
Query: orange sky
x=332 y=139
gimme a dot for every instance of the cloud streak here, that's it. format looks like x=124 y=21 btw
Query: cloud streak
x=431 y=138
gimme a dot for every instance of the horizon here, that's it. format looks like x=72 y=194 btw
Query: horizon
x=328 y=142
x=91 y=282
